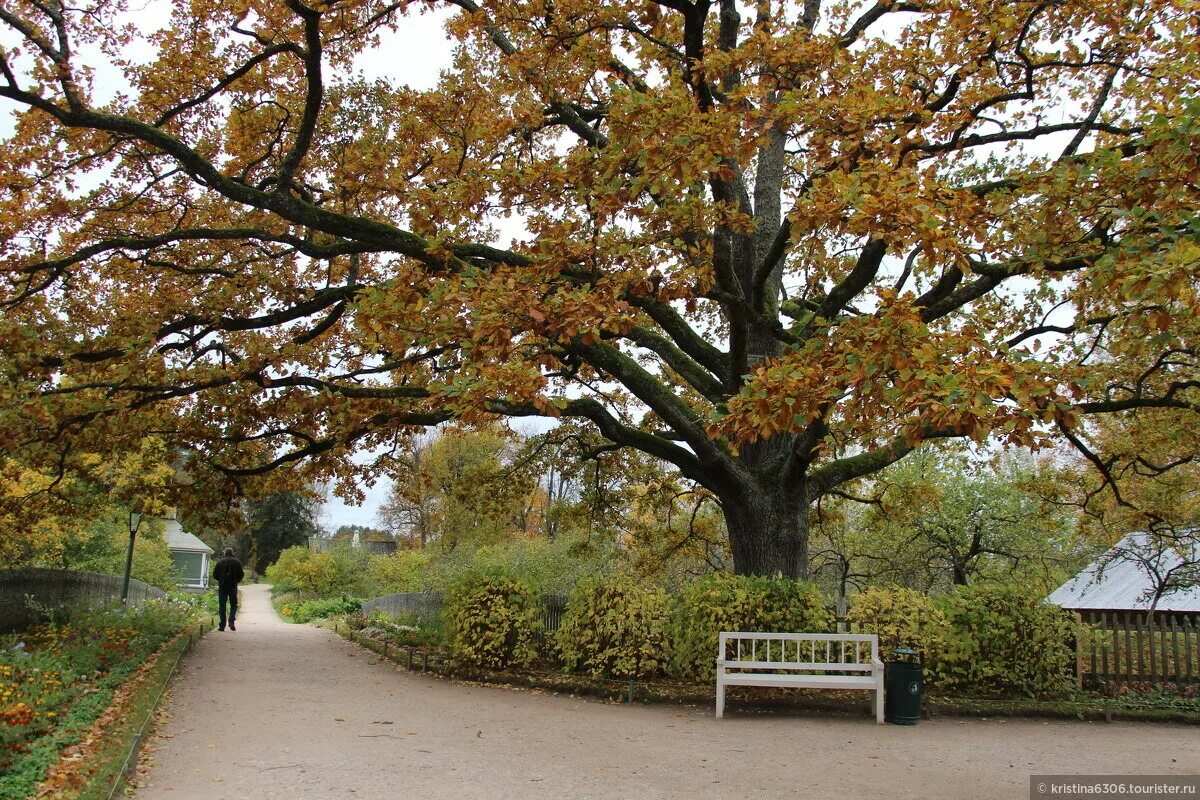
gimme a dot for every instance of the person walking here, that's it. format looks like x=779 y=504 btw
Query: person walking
x=228 y=574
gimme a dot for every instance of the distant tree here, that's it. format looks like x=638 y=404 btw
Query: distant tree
x=47 y=516
x=464 y=485
x=936 y=520
x=278 y=522
x=1137 y=480
x=348 y=533
x=980 y=521
x=101 y=546
x=661 y=521
x=409 y=509
x=1137 y=473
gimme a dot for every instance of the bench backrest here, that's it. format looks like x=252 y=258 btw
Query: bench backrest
x=844 y=652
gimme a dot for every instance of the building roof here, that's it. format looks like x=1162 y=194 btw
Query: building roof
x=1117 y=581
x=179 y=539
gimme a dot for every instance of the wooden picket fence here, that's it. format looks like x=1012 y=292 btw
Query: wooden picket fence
x=1128 y=648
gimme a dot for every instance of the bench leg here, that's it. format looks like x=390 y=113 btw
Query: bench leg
x=720 y=698
x=877 y=704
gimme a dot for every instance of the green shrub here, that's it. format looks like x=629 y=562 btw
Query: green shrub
x=614 y=627
x=308 y=610
x=899 y=617
x=282 y=574
x=492 y=620
x=402 y=571
x=738 y=603
x=1003 y=640
x=339 y=571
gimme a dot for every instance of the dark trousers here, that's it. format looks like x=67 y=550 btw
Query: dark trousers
x=227 y=596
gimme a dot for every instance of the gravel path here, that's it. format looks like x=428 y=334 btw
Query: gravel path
x=291 y=711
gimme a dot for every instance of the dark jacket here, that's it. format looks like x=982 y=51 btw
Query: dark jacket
x=228 y=572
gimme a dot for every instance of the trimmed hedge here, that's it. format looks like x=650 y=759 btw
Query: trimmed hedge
x=900 y=618
x=614 y=627
x=986 y=640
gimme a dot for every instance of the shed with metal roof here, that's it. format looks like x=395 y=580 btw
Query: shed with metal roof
x=1127 y=576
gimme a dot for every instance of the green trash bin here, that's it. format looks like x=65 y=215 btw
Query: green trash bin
x=903 y=685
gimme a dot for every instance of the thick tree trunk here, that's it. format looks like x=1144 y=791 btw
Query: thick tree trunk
x=768 y=532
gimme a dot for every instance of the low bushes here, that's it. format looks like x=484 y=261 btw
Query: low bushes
x=308 y=610
x=986 y=640
x=405 y=630
x=1003 y=640
x=493 y=620
x=738 y=603
x=614 y=627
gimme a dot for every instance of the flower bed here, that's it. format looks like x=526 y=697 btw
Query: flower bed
x=57 y=678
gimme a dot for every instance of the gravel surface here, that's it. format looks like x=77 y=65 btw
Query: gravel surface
x=291 y=711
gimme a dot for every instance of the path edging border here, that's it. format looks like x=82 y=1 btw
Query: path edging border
x=696 y=695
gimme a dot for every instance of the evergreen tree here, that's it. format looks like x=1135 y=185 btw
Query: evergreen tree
x=278 y=522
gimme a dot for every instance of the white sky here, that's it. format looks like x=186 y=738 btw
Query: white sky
x=337 y=513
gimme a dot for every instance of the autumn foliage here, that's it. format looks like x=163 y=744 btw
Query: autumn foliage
x=777 y=245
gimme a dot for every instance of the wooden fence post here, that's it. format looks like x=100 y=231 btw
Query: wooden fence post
x=1128 y=651
x=1151 y=624
x=1163 y=668
x=1080 y=635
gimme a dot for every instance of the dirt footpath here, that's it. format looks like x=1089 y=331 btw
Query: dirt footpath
x=290 y=711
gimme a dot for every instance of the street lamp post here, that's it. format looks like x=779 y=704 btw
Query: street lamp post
x=135 y=519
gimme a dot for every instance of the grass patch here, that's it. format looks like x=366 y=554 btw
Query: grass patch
x=1086 y=708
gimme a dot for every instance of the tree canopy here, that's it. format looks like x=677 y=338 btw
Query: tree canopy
x=778 y=245
x=56 y=520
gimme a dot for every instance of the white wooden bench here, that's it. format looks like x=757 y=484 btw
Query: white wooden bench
x=801 y=660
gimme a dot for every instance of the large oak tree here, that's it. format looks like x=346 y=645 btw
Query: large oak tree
x=776 y=244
